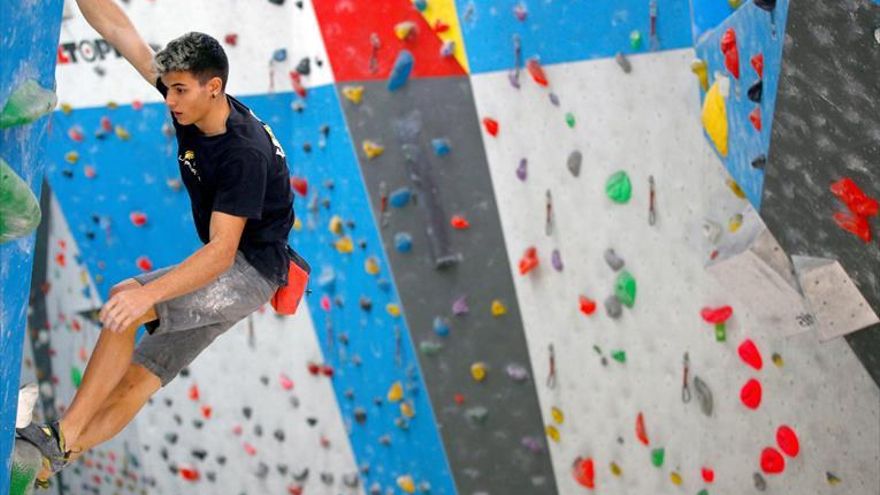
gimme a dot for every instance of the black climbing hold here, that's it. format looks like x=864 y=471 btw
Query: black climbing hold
x=279 y=435
x=211 y=476
x=760 y=162
x=312 y=421
x=221 y=459
x=768 y=5
x=304 y=67
x=360 y=415
x=168 y=401
x=184 y=372
x=307 y=147
x=301 y=476
x=247 y=411
x=67 y=174
x=282 y=469
x=178 y=419
x=264 y=380
x=258 y=430
x=756 y=91
x=198 y=423
x=325 y=130
x=171 y=438
x=327 y=478
x=200 y=454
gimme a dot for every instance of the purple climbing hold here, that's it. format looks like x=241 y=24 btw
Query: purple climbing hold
x=556 y=260
x=522 y=170
x=460 y=306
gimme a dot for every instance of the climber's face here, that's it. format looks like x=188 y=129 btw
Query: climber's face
x=189 y=99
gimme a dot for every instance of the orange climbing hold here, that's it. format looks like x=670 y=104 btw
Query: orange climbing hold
x=529 y=261
x=491 y=126
x=537 y=72
x=641 y=433
x=584 y=472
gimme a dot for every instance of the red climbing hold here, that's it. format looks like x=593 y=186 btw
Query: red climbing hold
x=460 y=223
x=854 y=224
x=231 y=39
x=296 y=81
x=440 y=26
x=327 y=371
x=138 y=219
x=137 y=105
x=144 y=264
x=731 y=54
x=587 y=305
x=314 y=368
x=189 y=473
x=787 y=440
x=300 y=186
x=772 y=461
x=286 y=382
x=750 y=354
x=250 y=449
x=206 y=412
x=758 y=64
x=491 y=126
x=641 y=434
x=537 y=72
x=716 y=315
x=529 y=261
x=584 y=472
x=708 y=474
x=194 y=392
x=295 y=489
x=755 y=118
x=459 y=399
x=854 y=198
x=750 y=395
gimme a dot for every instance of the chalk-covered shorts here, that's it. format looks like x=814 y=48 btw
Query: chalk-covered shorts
x=188 y=323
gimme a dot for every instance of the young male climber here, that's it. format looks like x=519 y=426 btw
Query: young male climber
x=236 y=175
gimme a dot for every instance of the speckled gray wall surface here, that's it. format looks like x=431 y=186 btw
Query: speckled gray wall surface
x=827 y=126
x=505 y=452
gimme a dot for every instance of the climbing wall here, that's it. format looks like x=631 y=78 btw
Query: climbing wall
x=539 y=250
x=26 y=81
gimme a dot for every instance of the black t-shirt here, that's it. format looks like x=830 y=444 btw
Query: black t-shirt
x=242 y=172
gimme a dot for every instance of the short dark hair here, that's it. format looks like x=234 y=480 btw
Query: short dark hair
x=198 y=53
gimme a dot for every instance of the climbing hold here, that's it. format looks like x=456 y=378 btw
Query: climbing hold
x=641 y=432
x=552 y=432
x=75 y=134
x=760 y=483
x=522 y=169
x=575 y=158
x=586 y=305
x=75 y=376
x=675 y=478
x=371 y=265
x=750 y=394
x=279 y=55
x=716 y=315
x=19 y=208
x=231 y=39
x=406 y=483
x=730 y=51
x=286 y=382
x=755 y=118
x=569 y=120
x=787 y=440
x=460 y=306
x=756 y=91
x=447 y=50
x=491 y=126
x=407 y=410
x=458 y=222
x=405 y=31
x=138 y=219
x=635 y=39
x=714 y=118
x=529 y=261
x=557 y=415
x=354 y=94
x=701 y=69
x=421 y=5
x=750 y=354
x=517 y=372
x=477 y=414
x=344 y=245
x=623 y=62
x=777 y=360
x=400 y=197
x=848 y=192
x=854 y=224
x=478 y=371
x=584 y=472
x=657 y=457
x=734 y=186
x=403 y=242
x=625 y=289
x=614 y=261
x=704 y=396
x=615 y=469
x=429 y=348
x=441 y=146
x=441 y=326
x=71 y=157
x=300 y=186
x=537 y=73
x=401 y=70
x=829 y=476
x=768 y=5
x=498 y=308
x=393 y=310
x=712 y=231
x=372 y=149
x=772 y=461
x=556 y=260
x=618 y=187
x=619 y=356
x=613 y=307
x=336 y=225
x=144 y=264
x=520 y=11
x=708 y=474
x=27 y=103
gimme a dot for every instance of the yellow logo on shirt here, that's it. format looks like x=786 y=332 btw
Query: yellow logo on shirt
x=189 y=155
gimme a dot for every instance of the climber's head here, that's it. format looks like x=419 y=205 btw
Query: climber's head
x=194 y=67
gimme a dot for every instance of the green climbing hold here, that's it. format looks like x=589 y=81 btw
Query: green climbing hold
x=26 y=104
x=429 y=348
x=703 y=492
x=619 y=356
x=19 y=208
x=76 y=376
x=657 y=456
x=618 y=187
x=635 y=39
x=625 y=289
x=26 y=463
x=720 y=332
x=569 y=119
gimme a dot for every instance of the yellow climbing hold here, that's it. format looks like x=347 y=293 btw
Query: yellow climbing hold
x=406 y=483
x=498 y=308
x=404 y=30
x=121 y=133
x=112 y=105
x=67 y=108
x=478 y=371
x=552 y=432
x=71 y=157
x=407 y=409
x=701 y=69
x=393 y=309
x=615 y=469
x=344 y=245
x=777 y=360
x=372 y=265
x=675 y=478
x=372 y=150
x=336 y=225
x=395 y=393
x=734 y=186
x=297 y=224
x=557 y=415
x=354 y=94
x=714 y=118
x=735 y=222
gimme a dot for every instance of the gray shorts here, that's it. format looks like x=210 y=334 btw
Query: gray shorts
x=188 y=323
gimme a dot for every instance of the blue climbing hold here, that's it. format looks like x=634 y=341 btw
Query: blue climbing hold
x=403 y=242
x=280 y=55
x=441 y=326
x=327 y=279
x=400 y=73
x=441 y=146
x=400 y=197
x=421 y=5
